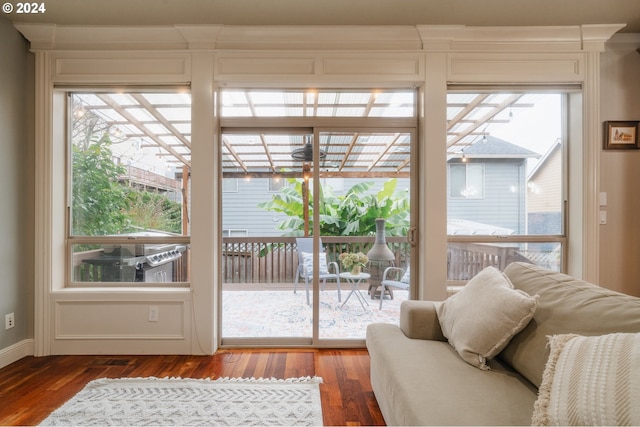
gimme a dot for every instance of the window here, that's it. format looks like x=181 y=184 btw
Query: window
x=506 y=180
x=466 y=180
x=129 y=169
x=230 y=185
x=322 y=103
x=276 y=184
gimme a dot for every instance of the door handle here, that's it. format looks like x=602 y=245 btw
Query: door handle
x=411 y=236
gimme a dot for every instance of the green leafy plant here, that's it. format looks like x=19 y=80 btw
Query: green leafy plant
x=151 y=211
x=98 y=200
x=101 y=205
x=351 y=214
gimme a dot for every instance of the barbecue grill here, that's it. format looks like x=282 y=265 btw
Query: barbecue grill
x=138 y=262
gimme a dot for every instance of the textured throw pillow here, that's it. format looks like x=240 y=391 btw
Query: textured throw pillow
x=307 y=258
x=590 y=381
x=480 y=320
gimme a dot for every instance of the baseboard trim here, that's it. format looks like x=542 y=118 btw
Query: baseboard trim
x=15 y=352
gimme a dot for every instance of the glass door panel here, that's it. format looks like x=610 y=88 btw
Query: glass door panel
x=364 y=177
x=265 y=285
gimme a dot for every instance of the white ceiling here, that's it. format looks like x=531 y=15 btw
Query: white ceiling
x=338 y=12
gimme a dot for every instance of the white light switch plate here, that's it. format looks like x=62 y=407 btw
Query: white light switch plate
x=603 y=198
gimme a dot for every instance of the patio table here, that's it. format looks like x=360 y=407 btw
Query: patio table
x=354 y=280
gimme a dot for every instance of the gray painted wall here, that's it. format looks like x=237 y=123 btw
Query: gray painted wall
x=17 y=188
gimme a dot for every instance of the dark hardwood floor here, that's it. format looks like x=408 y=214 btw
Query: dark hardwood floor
x=34 y=386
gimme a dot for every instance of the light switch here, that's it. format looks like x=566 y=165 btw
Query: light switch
x=603 y=217
x=603 y=198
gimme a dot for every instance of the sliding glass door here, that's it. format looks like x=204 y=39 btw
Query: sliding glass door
x=301 y=191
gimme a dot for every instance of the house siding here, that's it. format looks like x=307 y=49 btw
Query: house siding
x=503 y=204
x=544 y=197
x=241 y=212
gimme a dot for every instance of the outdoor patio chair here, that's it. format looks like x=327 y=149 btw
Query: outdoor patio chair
x=305 y=266
x=390 y=280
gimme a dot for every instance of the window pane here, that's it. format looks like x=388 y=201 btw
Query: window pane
x=130 y=263
x=129 y=163
x=468 y=259
x=457 y=179
x=324 y=103
x=506 y=167
x=475 y=180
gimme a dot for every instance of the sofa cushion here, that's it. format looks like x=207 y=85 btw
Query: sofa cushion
x=566 y=305
x=480 y=320
x=590 y=381
x=425 y=382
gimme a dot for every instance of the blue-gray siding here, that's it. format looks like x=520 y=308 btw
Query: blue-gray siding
x=503 y=204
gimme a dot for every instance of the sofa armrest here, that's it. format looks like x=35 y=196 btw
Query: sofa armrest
x=419 y=320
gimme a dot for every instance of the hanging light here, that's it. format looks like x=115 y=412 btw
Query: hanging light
x=306 y=152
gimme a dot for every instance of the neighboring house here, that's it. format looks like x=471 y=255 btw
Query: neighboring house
x=544 y=196
x=487 y=185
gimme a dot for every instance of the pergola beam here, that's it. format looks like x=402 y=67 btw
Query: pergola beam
x=135 y=122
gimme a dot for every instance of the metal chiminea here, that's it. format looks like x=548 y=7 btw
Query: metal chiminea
x=380 y=257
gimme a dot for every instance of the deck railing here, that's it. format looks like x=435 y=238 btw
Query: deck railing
x=465 y=260
x=275 y=259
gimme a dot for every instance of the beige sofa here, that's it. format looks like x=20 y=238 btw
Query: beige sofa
x=419 y=379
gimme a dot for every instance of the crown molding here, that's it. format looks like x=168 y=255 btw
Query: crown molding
x=594 y=37
x=476 y=39
x=340 y=37
x=624 y=41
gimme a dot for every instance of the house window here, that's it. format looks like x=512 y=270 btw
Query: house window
x=276 y=184
x=129 y=162
x=230 y=185
x=466 y=180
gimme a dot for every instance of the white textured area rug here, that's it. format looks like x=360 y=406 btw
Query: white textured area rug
x=201 y=402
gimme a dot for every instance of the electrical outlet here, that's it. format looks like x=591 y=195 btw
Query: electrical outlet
x=9 y=321
x=154 y=312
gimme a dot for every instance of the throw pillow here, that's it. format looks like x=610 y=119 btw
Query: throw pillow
x=480 y=320
x=406 y=278
x=591 y=380
x=307 y=258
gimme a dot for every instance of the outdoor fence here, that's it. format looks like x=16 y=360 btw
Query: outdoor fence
x=275 y=259
x=465 y=260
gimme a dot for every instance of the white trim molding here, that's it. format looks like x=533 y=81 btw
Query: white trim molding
x=319 y=37
x=15 y=352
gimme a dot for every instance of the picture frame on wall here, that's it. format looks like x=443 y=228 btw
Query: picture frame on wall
x=621 y=135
